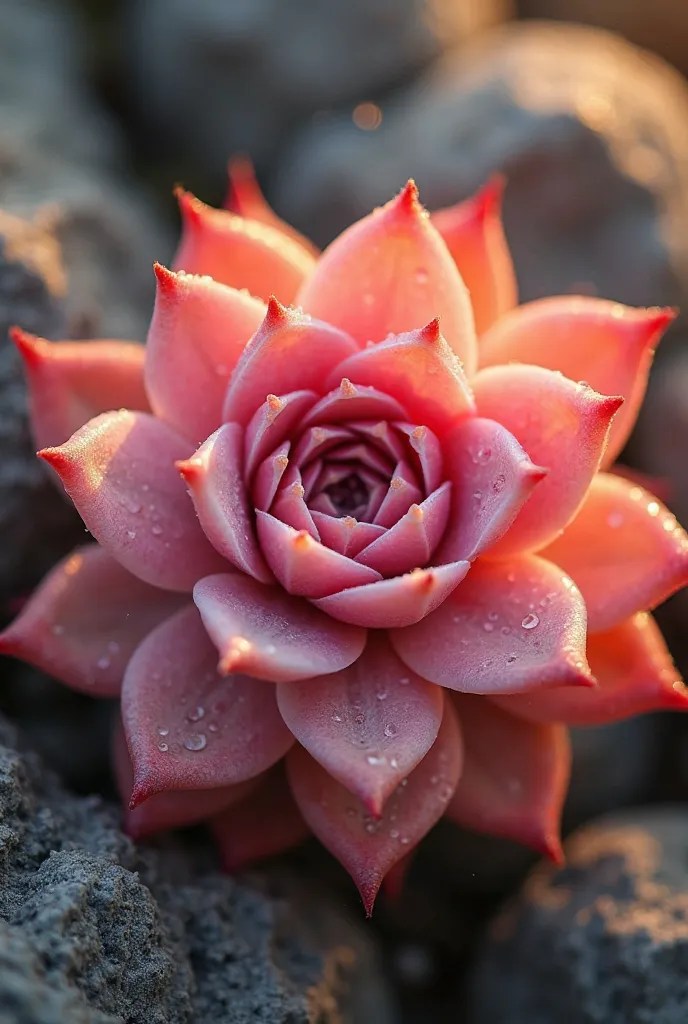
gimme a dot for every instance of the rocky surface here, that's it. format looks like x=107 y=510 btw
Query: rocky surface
x=212 y=78
x=591 y=133
x=58 y=148
x=603 y=940
x=94 y=930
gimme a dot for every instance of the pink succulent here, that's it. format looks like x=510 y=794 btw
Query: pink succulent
x=355 y=569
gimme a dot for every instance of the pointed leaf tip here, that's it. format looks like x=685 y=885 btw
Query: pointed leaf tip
x=30 y=347
x=488 y=199
x=57 y=457
x=431 y=332
x=408 y=200
x=277 y=314
x=166 y=278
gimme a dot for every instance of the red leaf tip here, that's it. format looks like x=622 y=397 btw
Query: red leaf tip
x=167 y=280
x=489 y=197
x=189 y=469
x=407 y=200
x=59 y=458
x=368 y=890
x=431 y=332
x=31 y=348
x=190 y=207
x=276 y=314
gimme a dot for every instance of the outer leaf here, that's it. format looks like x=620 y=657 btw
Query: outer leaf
x=244 y=196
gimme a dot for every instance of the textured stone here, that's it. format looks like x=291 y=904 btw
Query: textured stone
x=591 y=133
x=211 y=78
x=94 y=931
x=603 y=940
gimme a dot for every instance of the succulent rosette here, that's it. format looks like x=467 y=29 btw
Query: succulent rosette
x=361 y=557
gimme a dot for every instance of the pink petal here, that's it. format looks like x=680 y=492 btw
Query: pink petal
x=369 y=847
x=473 y=233
x=410 y=543
x=368 y=725
x=346 y=535
x=73 y=381
x=515 y=776
x=267 y=823
x=271 y=424
x=263 y=632
x=604 y=343
x=513 y=625
x=418 y=369
x=563 y=427
x=164 y=811
x=289 y=504
x=492 y=478
x=188 y=727
x=624 y=549
x=398 y=602
x=215 y=479
x=381 y=434
x=244 y=196
x=402 y=493
x=86 y=619
x=365 y=455
x=288 y=352
x=302 y=565
x=634 y=672
x=427 y=448
x=353 y=402
x=391 y=272
x=119 y=472
x=268 y=476
x=199 y=330
x=315 y=441
x=238 y=252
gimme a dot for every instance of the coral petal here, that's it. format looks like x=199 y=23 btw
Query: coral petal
x=353 y=402
x=369 y=847
x=634 y=673
x=268 y=476
x=198 y=331
x=403 y=491
x=391 y=272
x=368 y=725
x=513 y=625
x=305 y=567
x=604 y=343
x=263 y=632
x=119 y=472
x=398 y=602
x=70 y=382
x=473 y=233
x=289 y=351
x=420 y=370
x=344 y=534
x=215 y=479
x=562 y=426
x=492 y=478
x=515 y=776
x=426 y=446
x=241 y=253
x=271 y=424
x=413 y=538
x=85 y=621
x=624 y=549
x=188 y=727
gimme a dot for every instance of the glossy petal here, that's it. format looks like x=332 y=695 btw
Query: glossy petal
x=70 y=382
x=241 y=253
x=119 y=471
x=403 y=491
x=604 y=343
x=634 y=672
x=345 y=534
x=492 y=478
x=395 y=603
x=515 y=776
x=198 y=331
x=411 y=542
x=368 y=725
x=418 y=369
x=305 y=567
x=268 y=476
x=215 y=479
x=188 y=727
x=164 y=811
x=624 y=549
x=513 y=625
x=288 y=352
x=353 y=402
x=391 y=272
x=289 y=505
x=263 y=632
x=271 y=424
x=244 y=196
x=563 y=427
x=429 y=452
x=369 y=847
x=264 y=824
x=85 y=620
x=473 y=233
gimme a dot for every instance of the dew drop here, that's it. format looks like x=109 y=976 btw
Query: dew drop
x=376 y=760
x=488 y=627
x=156 y=530
x=477 y=495
x=196 y=741
x=404 y=840
x=213 y=727
x=131 y=534
x=394 y=833
x=653 y=508
x=530 y=621
x=163 y=730
x=404 y=680
x=393 y=763
x=196 y=715
x=483 y=455
x=103 y=662
x=382 y=694
x=336 y=718
x=390 y=730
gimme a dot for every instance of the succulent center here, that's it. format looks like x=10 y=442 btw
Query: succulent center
x=348 y=494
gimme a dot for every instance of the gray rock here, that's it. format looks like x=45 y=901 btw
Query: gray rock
x=109 y=232
x=94 y=931
x=218 y=76
x=601 y=941
x=591 y=133
x=36 y=523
